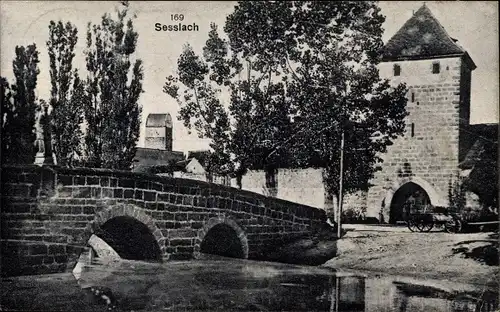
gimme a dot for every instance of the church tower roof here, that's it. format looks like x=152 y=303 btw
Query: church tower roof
x=422 y=37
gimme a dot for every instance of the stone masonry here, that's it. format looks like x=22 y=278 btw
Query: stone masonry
x=428 y=154
x=437 y=72
x=158 y=132
x=303 y=186
x=49 y=213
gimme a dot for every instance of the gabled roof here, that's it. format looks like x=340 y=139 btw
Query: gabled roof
x=473 y=155
x=485 y=138
x=201 y=155
x=150 y=157
x=156 y=156
x=422 y=37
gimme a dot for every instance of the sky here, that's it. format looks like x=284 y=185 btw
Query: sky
x=474 y=24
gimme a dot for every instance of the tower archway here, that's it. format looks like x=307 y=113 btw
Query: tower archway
x=410 y=198
x=427 y=194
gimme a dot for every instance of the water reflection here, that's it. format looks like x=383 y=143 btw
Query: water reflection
x=410 y=297
x=240 y=285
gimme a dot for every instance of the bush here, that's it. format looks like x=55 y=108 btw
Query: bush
x=456 y=194
x=355 y=215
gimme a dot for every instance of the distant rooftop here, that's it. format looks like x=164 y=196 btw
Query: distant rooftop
x=149 y=157
x=201 y=155
x=484 y=139
x=422 y=37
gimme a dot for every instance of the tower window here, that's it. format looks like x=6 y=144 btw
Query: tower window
x=413 y=97
x=436 y=68
x=412 y=129
x=397 y=70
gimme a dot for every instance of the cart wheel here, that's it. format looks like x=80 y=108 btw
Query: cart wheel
x=453 y=226
x=425 y=225
x=412 y=225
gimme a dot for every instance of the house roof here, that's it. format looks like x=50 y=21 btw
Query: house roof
x=201 y=155
x=473 y=155
x=485 y=138
x=150 y=157
x=183 y=164
x=422 y=37
x=156 y=156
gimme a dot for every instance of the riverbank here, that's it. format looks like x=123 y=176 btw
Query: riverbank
x=433 y=263
x=48 y=292
x=235 y=285
x=464 y=258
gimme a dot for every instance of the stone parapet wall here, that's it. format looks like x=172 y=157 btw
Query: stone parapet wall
x=46 y=206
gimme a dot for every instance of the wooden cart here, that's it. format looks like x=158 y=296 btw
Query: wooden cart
x=451 y=222
x=424 y=222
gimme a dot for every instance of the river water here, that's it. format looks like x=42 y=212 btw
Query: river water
x=223 y=284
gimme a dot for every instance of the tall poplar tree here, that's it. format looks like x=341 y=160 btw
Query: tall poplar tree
x=7 y=120
x=112 y=111
x=67 y=97
x=19 y=107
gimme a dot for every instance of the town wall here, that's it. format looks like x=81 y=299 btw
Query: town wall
x=303 y=186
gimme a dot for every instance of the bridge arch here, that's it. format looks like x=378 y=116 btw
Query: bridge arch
x=131 y=232
x=434 y=196
x=222 y=236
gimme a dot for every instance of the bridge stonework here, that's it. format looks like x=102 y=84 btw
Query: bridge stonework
x=49 y=213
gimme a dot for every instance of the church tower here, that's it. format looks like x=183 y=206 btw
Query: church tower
x=418 y=167
x=159 y=132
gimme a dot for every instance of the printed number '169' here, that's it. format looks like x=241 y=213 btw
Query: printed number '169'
x=177 y=17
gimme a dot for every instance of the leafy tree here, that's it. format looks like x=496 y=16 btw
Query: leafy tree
x=67 y=100
x=484 y=182
x=314 y=77
x=7 y=120
x=457 y=194
x=241 y=132
x=19 y=107
x=112 y=111
x=483 y=178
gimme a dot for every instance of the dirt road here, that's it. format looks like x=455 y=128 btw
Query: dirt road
x=465 y=258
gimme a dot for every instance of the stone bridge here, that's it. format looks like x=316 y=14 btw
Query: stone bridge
x=48 y=214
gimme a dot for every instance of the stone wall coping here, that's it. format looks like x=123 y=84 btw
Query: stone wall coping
x=150 y=178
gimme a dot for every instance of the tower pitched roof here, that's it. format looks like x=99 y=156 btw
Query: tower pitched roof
x=422 y=37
